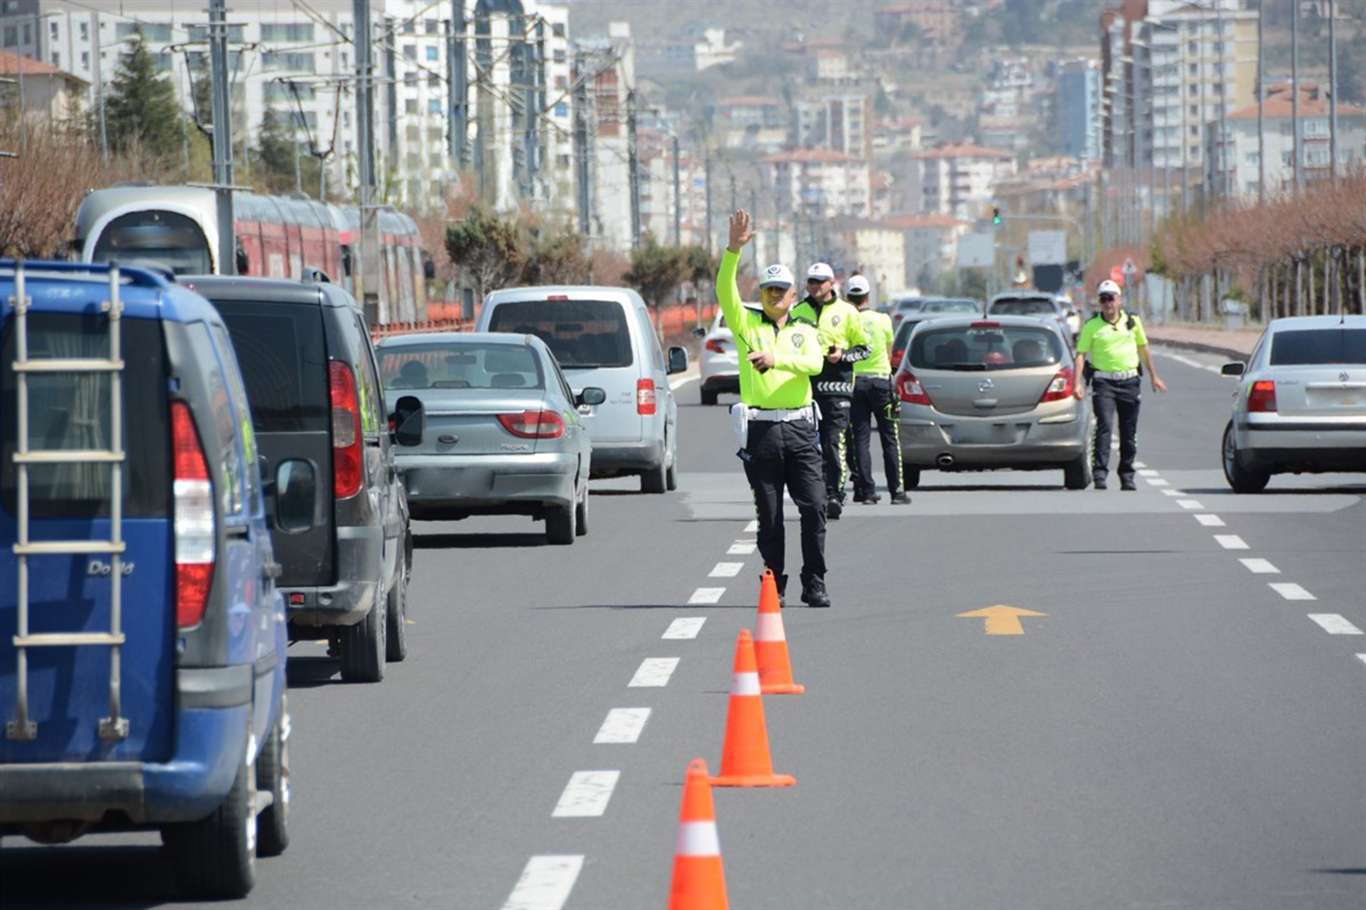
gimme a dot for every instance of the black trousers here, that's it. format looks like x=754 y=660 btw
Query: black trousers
x=787 y=455
x=874 y=400
x=1114 y=399
x=835 y=442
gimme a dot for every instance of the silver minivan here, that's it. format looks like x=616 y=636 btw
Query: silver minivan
x=603 y=337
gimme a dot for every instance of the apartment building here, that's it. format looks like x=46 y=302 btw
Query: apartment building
x=1078 y=108
x=840 y=121
x=930 y=244
x=819 y=182
x=958 y=180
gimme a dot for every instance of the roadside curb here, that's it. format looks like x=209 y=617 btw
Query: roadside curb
x=1203 y=348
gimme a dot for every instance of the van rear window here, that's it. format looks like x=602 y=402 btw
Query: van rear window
x=583 y=334
x=284 y=361
x=72 y=411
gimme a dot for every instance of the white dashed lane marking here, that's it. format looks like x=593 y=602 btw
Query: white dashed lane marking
x=1334 y=624
x=741 y=548
x=1156 y=481
x=1145 y=472
x=706 y=595
x=586 y=795
x=726 y=570
x=1231 y=542
x=684 y=627
x=545 y=883
x=1260 y=567
x=1291 y=591
x=622 y=725
x=1189 y=503
x=752 y=527
x=654 y=672
x=1210 y=521
x=1173 y=492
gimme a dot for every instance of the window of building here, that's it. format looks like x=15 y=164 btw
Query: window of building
x=434 y=105
x=410 y=52
x=28 y=34
x=409 y=27
x=151 y=31
x=562 y=110
x=557 y=29
x=85 y=31
x=557 y=55
x=11 y=36
x=432 y=26
x=1317 y=156
x=410 y=79
x=433 y=80
x=1194 y=69
x=296 y=61
x=57 y=60
x=561 y=82
x=287 y=31
x=564 y=162
x=85 y=60
x=433 y=53
x=52 y=30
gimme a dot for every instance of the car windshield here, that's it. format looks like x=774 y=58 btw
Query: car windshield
x=1303 y=347
x=460 y=365
x=985 y=347
x=1022 y=306
x=951 y=306
x=909 y=304
x=582 y=334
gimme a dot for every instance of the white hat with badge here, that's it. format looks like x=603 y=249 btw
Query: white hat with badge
x=776 y=276
x=820 y=271
x=858 y=286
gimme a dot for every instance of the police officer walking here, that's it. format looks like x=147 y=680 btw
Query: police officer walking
x=775 y=421
x=875 y=400
x=1114 y=342
x=844 y=343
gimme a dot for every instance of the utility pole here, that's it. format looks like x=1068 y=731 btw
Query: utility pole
x=732 y=193
x=97 y=51
x=1295 y=90
x=678 y=198
x=754 y=211
x=537 y=105
x=633 y=164
x=455 y=83
x=1261 y=109
x=706 y=171
x=581 y=155
x=1333 y=88
x=391 y=91
x=365 y=154
x=222 y=135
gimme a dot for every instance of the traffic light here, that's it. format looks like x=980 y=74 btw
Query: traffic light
x=996 y=214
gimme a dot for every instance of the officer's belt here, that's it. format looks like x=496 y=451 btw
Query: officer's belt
x=782 y=415
x=1117 y=375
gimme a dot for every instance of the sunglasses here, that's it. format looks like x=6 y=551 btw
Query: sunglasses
x=1106 y=297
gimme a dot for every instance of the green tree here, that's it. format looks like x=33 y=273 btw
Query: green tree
x=141 y=109
x=656 y=271
x=555 y=255
x=489 y=249
x=277 y=145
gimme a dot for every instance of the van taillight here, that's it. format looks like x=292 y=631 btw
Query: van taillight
x=909 y=389
x=195 y=523
x=645 y=397
x=533 y=424
x=346 y=442
x=1061 y=387
x=1262 y=398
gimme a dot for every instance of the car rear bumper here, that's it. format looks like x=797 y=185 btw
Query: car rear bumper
x=1300 y=434
x=211 y=739
x=614 y=458
x=926 y=441
x=360 y=564
x=459 y=485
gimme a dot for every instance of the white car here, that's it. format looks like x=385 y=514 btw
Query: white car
x=720 y=367
x=1301 y=407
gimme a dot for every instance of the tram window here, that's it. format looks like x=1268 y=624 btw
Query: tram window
x=168 y=238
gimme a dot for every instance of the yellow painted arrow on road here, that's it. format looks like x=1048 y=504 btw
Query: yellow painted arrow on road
x=1001 y=619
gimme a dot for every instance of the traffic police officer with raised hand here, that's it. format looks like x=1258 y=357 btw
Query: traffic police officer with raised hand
x=779 y=353
x=1115 y=343
x=874 y=399
x=844 y=343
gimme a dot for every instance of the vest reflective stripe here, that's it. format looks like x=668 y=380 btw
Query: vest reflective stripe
x=697 y=839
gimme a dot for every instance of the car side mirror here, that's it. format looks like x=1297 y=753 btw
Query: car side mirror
x=1237 y=368
x=591 y=396
x=296 y=496
x=407 y=423
x=699 y=331
x=678 y=360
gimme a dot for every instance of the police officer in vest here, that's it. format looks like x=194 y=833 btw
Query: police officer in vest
x=844 y=343
x=874 y=400
x=775 y=423
x=1115 y=344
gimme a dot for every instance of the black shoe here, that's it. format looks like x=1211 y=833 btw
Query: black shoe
x=813 y=592
x=901 y=499
x=871 y=499
x=833 y=508
x=781 y=581
x=1127 y=485
x=1100 y=483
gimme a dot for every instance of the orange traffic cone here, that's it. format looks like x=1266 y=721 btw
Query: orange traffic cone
x=699 y=881
x=770 y=643
x=745 y=760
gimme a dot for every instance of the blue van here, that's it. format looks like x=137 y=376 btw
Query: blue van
x=142 y=638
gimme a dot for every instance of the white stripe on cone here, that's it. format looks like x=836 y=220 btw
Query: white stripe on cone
x=770 y=628
x=745 y=684
x=697 y=839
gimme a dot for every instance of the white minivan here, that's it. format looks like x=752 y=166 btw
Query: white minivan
x=603 y=337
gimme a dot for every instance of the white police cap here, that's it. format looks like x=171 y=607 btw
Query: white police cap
x=821 y=271
x=858 y=286
x=776 y=276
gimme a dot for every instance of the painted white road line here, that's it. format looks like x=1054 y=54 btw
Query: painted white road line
x=1146 y=472
x=1231 y=542
x=1362 y=658
x=587 y=794
x=1139 y=464
x=1156 y=481
x=622 y=725
x=1210 y=521
x=1189 y=503
x=684 y=627
x=726 y=570
x=741 y=548
x=653 y=672
x=706 y=595
x=1291 y=591
x=1260 y=567
x=752 y=527
x=1334 y=624
x=1173 y=492
x=545 y=883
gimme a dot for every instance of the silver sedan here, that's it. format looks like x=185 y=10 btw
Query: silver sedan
x=1301 y=405
x=503 y=432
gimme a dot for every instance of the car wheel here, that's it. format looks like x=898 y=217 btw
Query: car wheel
x=1076 y=474
x=671 y=475
x=272 y=776
x=559 y=525
x=655 y=480
x=396 y=617
x=363 y=647
x=1240 y=477
x=215 y=857
x=708 y=398
x=581 y=516
x=910 y=476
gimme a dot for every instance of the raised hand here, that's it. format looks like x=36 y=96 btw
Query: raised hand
x=741 y=230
